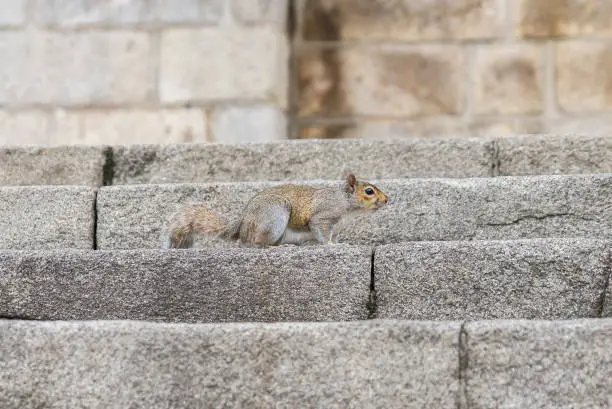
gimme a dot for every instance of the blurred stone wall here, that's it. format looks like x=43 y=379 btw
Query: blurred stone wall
x=368 y=68
x=142 y=71
x=153 y=71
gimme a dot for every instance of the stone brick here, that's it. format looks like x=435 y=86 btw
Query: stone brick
x=261 y=11
x=115 y=365
x=36 y=127
x=508 y=79
x=530 y=279
x=404 y=20
x=580 y=125
x=554 y=154
x=66 y=165
x=46 y=217
x=95 y=13
x=24 y=128
x=305 y=160
x=126 y=127
x=581 y=83
x=213 y=285
x=190 y=11
x=562 y=18
x=13 y=13
x=211 y=64
x=406 y=82
x=428 y=127
x=75 y=68
x=419 y=209
x=248 y=124
x=539 y=364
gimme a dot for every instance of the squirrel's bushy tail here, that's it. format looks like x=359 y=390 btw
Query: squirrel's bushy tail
x=191 y=221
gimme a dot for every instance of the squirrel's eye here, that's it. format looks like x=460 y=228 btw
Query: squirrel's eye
x=369 y=191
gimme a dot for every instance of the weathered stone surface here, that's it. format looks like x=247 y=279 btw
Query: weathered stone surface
x=531 y=279
x=508 y=79
x=68 y=13
x=248 y=124
x=406 y=82
x=539 y=364
x=283 y=284
x=284 y=365
x=562 y=18
x=404 y=20
x=294 y=160
x=125 y=127
x=13 y=13
x=418 y=210
x=66 y=165
x=254 y=60
x=261 y=11
x=581 y=83
x=76 y=68
x=554 y=154
x=46 y=217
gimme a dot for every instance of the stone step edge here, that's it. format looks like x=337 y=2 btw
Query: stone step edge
x=388 y=363
x=452 y=157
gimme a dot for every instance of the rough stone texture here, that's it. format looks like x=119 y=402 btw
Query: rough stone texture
x=418 y=210
x=555 y=154
x=70 y=13
x=75 y=68
x=404 y=20
x=508 y=79
x=562 y=18
x=125 y=127
x=399 y=81
x=66 y=165
x=282 y=284
x=536 y=364
x=46 y=217
x=254 y=61
x=581 y=83
x=289 y=365
x=294 y=160
x=530 y=279
x=13 y=13
x=248 y=124
x=260 y=11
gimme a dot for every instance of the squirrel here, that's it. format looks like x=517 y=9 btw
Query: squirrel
x=284 y=214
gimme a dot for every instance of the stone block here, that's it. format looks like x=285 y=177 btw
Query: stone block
x=419 y=209
x=523 y=279
x=397 y=81
x=261 y=12
x=37 y=127
x=285 y=365
x=65 y=165
x=305 y=160
x=582 y=85
x=508 y=79
x=46 y=217
x=13 y=13
x=562 y=18
x=136 y=126
x=248 y=124
x=76 y=68
x=215 y=285
x=554 y=154
x=103 y=13
x=404 y=20
x=539 y=364
x=252 y=61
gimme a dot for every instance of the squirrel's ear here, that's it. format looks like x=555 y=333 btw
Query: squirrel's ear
x=351 y=181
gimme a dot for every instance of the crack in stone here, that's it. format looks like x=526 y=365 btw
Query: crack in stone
x=535 y=217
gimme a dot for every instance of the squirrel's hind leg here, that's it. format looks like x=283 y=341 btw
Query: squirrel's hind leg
x=266 y=227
